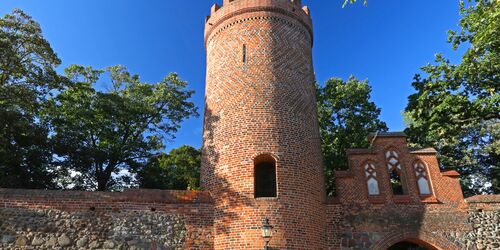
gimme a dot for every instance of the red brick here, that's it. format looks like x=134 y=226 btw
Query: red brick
x=265 y=105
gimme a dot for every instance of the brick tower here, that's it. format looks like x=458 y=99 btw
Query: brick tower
x=261 y=148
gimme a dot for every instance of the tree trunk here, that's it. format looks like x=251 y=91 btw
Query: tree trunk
x=102 y=182
x=103 y=177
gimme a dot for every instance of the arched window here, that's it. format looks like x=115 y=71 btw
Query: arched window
x=371 y=179
x=265 y=176
x=423 y=183
x=395 y=172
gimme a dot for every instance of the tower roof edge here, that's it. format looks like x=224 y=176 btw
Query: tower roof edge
x=232 y=8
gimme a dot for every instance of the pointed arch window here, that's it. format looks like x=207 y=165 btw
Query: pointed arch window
x=371 y=179
x=422 y=177
x=395 y=172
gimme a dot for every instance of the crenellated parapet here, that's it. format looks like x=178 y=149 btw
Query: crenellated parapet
x=223 y=16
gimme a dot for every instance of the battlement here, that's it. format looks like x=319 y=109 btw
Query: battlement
x=232 y=8
x=295 y=3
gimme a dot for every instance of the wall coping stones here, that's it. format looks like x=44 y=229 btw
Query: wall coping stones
x=128 y=195
x=344 y=174
x=484 y=199
x=451 y=173
x=360 y=151
x=386 y=134
x=423 y=151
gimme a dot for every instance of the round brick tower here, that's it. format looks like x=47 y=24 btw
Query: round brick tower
x=261 y=150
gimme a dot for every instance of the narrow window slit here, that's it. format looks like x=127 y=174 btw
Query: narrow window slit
x=244 y=53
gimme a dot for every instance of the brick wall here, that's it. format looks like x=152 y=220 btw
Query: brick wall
x=134 y=219
x=440 y=220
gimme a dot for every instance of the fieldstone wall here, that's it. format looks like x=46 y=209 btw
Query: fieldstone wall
x=484 y=216
x=153 y=220
x=134 y=219
x=47 y=229
x=486 y=233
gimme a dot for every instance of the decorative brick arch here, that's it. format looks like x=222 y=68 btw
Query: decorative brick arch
x=392 y=147
x=432 y=242
x=262 y=154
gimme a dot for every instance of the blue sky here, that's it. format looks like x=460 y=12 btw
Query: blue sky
x=385 y=42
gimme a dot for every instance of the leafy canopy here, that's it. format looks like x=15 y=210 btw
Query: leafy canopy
x=346 y=2
x=178 y=170
x=103 y=136
x=27 y=77
x=456 y=108
x=346 y=117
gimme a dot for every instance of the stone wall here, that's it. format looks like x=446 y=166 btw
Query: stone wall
x=43 y=228
x=356 y=219
x=484 y=217
x=149 y=219
x=134 y=219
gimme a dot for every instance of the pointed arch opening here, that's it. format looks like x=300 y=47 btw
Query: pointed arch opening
x=265 y=185
x=422 y=239
x=407 y=245
x=395 y=172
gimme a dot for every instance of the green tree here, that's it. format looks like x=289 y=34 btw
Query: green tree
x=27 y=78
x=456 y=107
x=346 y=117
x=102 y=135
x=178 y=170
x=346 y=2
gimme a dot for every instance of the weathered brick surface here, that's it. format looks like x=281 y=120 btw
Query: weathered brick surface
x=445 y=186
x=442 y=220
x=265 y=105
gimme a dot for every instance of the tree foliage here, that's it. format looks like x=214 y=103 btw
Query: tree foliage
x=346 y=2
x=178 y=170
x=346 y=117
x=27 y=77
x=456 y=108
x=102 y=135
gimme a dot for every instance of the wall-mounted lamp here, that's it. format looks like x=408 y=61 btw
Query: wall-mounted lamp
x=267 y=233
